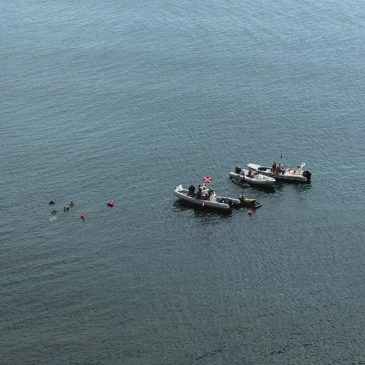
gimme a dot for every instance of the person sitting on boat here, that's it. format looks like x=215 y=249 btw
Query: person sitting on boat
x=273 y=167
x=199 y=192
x=204 y=193
x=249 y=174
x=192 y=190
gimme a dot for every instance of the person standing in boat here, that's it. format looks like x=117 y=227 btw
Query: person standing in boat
x=204 y=193
x=199 y=192
x=210 y=194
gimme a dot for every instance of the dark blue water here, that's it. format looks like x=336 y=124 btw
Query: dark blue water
x=126 y=100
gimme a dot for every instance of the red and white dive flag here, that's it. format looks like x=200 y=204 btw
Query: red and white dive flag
x=207 y=179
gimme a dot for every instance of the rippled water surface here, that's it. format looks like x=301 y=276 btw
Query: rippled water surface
x=125 y=100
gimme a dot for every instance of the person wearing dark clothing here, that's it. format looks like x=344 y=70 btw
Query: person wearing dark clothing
x=192 y=190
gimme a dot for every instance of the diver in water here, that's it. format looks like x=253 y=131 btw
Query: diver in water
x=72 y=204
x=51 y=202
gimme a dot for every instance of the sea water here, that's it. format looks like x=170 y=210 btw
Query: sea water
x=126 y=100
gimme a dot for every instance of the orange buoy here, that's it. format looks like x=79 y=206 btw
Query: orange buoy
x=110 y=203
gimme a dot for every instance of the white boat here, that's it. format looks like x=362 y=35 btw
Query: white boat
x=251 y=177
x=212 y=200
x=277 y=171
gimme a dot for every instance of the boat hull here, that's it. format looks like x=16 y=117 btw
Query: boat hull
x=295 y=175
x=183 y=194
x=258 y=180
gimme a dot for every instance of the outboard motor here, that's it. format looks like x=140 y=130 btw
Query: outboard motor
x=238 y=170
x=308 y=175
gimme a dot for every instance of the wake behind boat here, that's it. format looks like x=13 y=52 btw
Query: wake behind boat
x=277 y=171
x=251 y=177
x=207 y=198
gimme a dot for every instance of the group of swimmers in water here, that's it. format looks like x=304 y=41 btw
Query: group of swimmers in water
x=110 y=204
x=65 y=209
